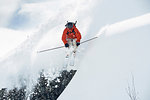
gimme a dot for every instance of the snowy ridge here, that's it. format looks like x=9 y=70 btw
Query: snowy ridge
x=104 y=64
x=85 y=84
x=125 y=25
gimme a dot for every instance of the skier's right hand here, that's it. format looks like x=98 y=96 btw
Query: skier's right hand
x=66 y=45
x=78 y=43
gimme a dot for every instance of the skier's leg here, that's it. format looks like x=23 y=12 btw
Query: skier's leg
x=74 y=47
x=73 y=53
x=67 y=55
x=68 y=49
x=66 y=59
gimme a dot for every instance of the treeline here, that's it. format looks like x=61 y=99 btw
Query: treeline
x=43 y=90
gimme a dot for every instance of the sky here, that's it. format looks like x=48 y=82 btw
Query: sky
x=104 y=65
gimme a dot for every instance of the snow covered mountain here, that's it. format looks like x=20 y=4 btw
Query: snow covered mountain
x=33 y=26
x=106 y=71
x=104 y=65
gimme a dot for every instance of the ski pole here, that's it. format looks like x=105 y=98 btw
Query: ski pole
x=50 y=49
x=64 y=46
x=89 y=40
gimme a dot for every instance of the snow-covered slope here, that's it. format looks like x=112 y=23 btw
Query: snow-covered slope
x=104 y=65
x=22 y=64
x=9 y=40
x=108 y=66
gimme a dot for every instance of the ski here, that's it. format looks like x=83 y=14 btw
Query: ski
x=50 y=49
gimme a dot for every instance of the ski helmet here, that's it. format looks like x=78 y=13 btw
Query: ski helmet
x=70 y=24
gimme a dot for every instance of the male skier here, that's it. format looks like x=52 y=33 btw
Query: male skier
x=71 y=38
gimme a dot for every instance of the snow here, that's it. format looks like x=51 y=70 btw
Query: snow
x=106 y=69
x=104 y=65
x=20 y=63
x=122 y=49
x=9 y=40
x=129 y=24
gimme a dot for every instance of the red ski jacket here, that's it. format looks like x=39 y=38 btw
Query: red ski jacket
x=71 y=34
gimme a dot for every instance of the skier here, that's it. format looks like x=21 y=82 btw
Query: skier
x=71 y=39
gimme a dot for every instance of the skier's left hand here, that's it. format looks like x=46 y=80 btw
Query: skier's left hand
x=78 y=43
x=66 y=45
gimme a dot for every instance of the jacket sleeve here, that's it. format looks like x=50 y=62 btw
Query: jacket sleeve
x=78 y=35
x=64 y=37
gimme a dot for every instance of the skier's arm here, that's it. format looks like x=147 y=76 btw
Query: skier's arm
x=64 y=37
x=78 y=35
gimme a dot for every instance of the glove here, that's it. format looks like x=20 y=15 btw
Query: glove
x=66 y=45
x=78 y=43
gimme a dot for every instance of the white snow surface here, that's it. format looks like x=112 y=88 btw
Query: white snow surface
x=20 y=63
x=9 y=41
x=122 y=50
x=104 y=65
x=108 y=67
